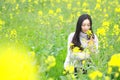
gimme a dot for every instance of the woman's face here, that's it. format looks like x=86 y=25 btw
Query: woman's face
x=85 y=25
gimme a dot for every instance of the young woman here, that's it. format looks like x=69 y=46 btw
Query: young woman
x=81 y=40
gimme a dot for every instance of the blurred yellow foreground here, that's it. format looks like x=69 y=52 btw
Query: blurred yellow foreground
x=16 y=64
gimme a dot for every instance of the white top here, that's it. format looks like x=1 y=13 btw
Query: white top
x=75 y=60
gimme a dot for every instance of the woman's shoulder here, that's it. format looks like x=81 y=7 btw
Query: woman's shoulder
x=71 y=35
x=95 y=36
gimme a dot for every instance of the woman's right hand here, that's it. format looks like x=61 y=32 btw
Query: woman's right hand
x=91 y=42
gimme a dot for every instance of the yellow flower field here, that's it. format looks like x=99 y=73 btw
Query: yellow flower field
x=34 y=36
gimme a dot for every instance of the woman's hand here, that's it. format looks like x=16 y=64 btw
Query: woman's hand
x=91 y=41
x=91 y=44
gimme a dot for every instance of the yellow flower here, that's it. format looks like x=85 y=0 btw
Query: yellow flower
x=104 y=10
x=111 y=47
x=29 y=0
x=91 y=43
x=40 y=13
x=106 y=15
x=117 y=10
x=2 y=22
x=73 y=77
x=101 y=31
x=36 y=1
x=13 y=33
x=116 y=74
x=29 y=10
x=118 y=39
x=85 y=4
x=58 y=1
x=114 y=61
x=69 y=6
x=83 y=62
x=16 y=64
x=86 y=10
x=61 y=18
x=119 y=69
x=71 y=16
x=105 y=23
x=89 y=33
x=69 y=68
x=11 y=16
x=116 y=29
x=78 y=3
x=95 y=74
x=50 y=61
x=78 y=14
x=17 y=6
x=64 y=72
x=97 y=6
x=76 y=49
x=109 y=71
x=58 y=10
x=107 y=78
x=50 y=79
x=98 y=1
x=51 y=12
x=22 y=1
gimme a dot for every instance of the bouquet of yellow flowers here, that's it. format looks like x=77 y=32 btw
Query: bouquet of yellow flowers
x=89 y=33
x=75 y=49
x=91 y=44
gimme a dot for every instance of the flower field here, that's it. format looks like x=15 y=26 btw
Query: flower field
x=34 y=36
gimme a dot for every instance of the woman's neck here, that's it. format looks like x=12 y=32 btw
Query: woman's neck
x=83 y=35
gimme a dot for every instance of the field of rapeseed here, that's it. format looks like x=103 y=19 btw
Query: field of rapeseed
x=34 y=35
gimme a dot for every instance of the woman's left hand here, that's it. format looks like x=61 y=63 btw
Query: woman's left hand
x=91 y=41
x=91 y=44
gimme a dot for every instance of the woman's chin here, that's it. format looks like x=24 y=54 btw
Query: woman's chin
x=84 y=31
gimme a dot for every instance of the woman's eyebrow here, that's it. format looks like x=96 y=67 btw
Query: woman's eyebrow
x=85 y=23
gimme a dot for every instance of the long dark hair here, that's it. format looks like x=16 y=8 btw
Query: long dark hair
x=76 y=38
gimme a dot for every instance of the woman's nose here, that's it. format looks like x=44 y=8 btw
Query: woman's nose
x=86 y=28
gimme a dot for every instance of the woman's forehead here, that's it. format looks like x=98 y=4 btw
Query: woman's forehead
x=86 y=21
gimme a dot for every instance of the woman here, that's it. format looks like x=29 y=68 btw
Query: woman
x=80 y=39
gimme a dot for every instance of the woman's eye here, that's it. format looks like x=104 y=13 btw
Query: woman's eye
x=83 y=25
x=88 y=25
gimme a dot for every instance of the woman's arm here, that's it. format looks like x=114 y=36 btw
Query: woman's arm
x=93 y=44
x=67 y=60
x=96 y=42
